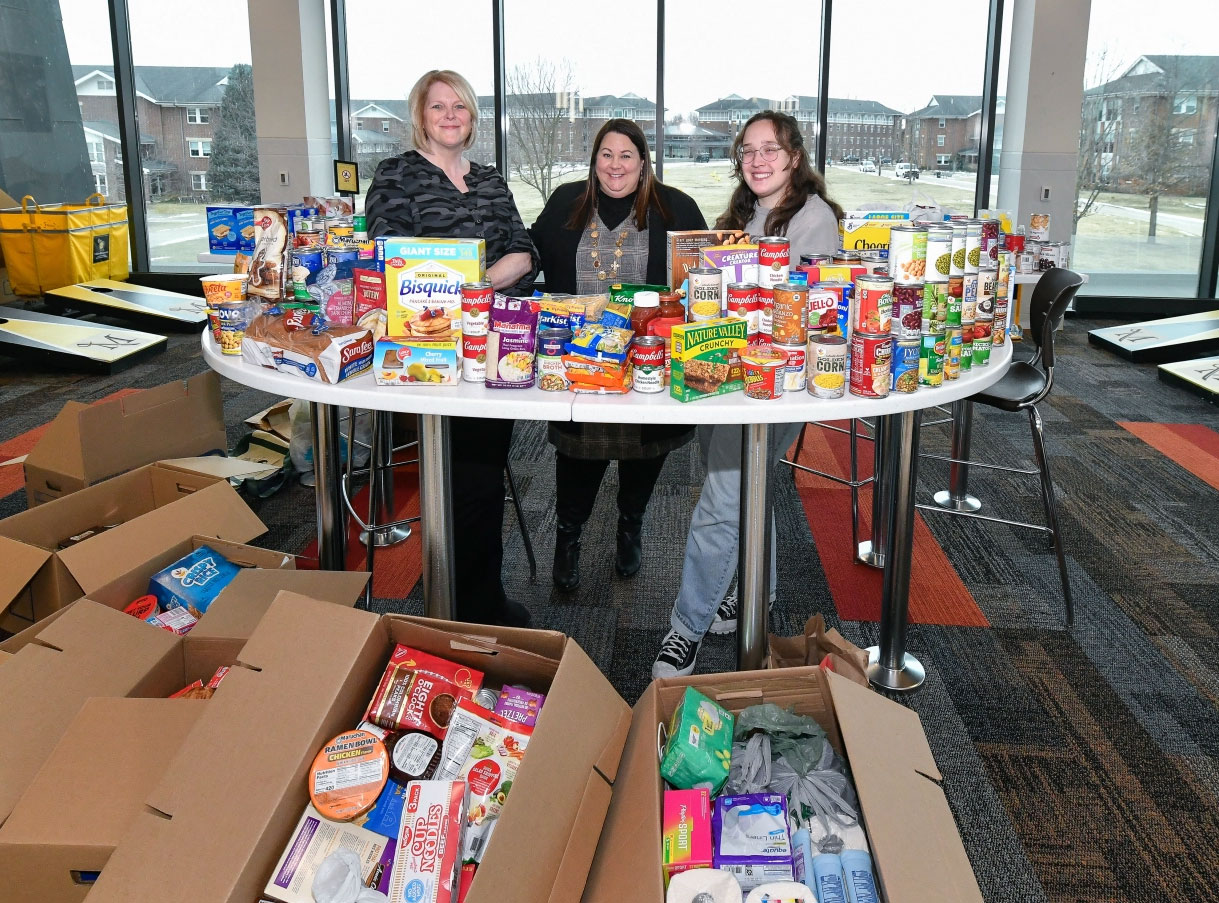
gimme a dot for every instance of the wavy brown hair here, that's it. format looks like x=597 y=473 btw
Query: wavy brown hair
x=805 y=180
x=647 y=197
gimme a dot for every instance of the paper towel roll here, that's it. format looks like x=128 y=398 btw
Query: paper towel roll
x=781 y=892
x=704 y=886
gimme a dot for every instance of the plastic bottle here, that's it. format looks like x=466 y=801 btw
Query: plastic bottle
x=827 y=879
x=857 y=870
x=646 y=309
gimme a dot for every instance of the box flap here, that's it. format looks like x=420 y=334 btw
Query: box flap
x=237 y=611
x=215 y=466
x=58 y=449
x=21 y=563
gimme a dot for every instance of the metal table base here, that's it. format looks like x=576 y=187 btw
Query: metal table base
x=956 y=497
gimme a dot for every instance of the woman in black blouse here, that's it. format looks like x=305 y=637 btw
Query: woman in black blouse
x=433 y=191
x=609 y=228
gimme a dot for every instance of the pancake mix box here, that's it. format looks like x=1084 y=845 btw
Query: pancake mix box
x=423 y=279
x=706 y=358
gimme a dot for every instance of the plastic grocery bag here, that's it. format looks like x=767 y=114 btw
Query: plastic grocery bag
x=338 y=880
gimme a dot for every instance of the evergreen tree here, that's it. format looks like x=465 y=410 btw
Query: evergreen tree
x=234 y=163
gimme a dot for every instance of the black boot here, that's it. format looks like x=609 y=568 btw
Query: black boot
x=566 y=571
x=630 y=545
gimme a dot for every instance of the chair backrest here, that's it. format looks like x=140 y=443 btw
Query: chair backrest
x=1051 y=295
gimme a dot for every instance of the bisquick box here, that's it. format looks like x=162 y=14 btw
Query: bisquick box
x=427 y=273
x=706 y=358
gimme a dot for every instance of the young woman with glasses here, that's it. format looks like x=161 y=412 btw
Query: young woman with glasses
x=778 y=193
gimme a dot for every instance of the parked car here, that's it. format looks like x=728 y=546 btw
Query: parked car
x=906 y=171
x=850 y=158
x=704 y=157
x=885 y=161
x=867 y=166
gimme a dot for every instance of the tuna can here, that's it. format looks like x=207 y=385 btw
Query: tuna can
x=766 y=311
x=774 y=260
x=905 y=366
x=706 y=288
x=969 y=297
x=973 y=245
x=742 y=303
x=934 y=305
x=908 y=311
x=648 y=364
x=816 y=260
x=844 y=258
x=957 y=267
x=764 y=367
x=826 y=362
x=794 y=373
x=789 y=321
x=474 y=358
x=306 y=264
x=476 y=300
x=990 y=243
x=952 y=352
x=931 y=359
x=939 y=252
x=967 y=347
x=873 y=308
x=871 y=357
x=907 y=254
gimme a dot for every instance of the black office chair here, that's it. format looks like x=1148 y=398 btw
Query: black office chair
x=1022 y=388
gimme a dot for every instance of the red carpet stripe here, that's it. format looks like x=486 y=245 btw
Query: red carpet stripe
x=937 y=595
x=1193 y=447
x=12 y=477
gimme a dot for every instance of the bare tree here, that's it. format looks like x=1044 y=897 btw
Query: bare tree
x=541 y=105
x=1098 y=128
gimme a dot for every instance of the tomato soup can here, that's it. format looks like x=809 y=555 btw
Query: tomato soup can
x=774 y=260
x=907 y=254
x=990 y=243
x=957 y=265
x=973 y=245
x=826 y=365
x=764 y=367
x=952 y=352
x=871 y=357
x=905 y=366
x=741 y=300
x=476 y=300
x=939 y=252
x=766 y=310
x=648 y=364
x=474 y=358
x=872 y=312
x=931 y=359
x=794 y=373
x=789 y=320
x=908 y=312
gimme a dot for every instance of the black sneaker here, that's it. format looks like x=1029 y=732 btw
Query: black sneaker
x=676 y=658
x=725 y=616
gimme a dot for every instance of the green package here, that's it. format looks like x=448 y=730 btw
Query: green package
x=699 y=748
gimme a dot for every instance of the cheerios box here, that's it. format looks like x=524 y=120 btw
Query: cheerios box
x=868 y=230
x=423 y=279
x=410 y=361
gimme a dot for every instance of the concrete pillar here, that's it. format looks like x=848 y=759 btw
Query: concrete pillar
x=289 y=41
x=1045 y=78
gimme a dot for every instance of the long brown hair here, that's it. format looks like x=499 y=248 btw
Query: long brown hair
x=647 y=195
x=805 y=180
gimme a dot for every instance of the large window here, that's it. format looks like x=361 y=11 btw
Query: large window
x=1146 y=143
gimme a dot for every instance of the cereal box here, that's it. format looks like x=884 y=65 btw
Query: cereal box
x=193 y=581
x=736 y=263
x=868 y=230
x=428 y=857
x=706 y=358
x=423 y=279
x=686 y=831
x=410 y=361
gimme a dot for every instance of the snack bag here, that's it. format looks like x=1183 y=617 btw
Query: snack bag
x=520 y=705
x=409 y=698
x=699 y=748
x=484 y=750
x=601 y=342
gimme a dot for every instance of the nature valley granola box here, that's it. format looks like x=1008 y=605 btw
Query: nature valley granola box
x=706 y=358
x=423 y=279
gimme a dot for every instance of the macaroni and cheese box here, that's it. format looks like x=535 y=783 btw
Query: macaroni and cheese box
x=868 y=230
x=706 y=358
x=409 y=361
x=423 y=279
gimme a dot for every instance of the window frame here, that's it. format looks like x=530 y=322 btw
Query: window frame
x=202 y=177
x=205 y=148
x=198 y=115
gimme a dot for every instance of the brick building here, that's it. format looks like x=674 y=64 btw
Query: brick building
x=944 y=135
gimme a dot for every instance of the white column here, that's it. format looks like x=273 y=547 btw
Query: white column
x=291 y=98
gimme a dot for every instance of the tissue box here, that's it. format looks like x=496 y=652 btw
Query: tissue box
x=686 y=831
x=751 y=838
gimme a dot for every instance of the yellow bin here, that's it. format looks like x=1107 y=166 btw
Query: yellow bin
x=48 y=247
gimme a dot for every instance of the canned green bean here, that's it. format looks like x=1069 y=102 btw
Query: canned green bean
x=931 y=359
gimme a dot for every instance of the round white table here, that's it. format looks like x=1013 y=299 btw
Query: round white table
x=892 y=667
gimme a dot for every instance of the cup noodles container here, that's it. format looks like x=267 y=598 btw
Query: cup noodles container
x=789 y=317
x=826 y=366
x=872 y=312
x=870 y=365
x=428 y=857
x=426 y=275
x=1039 y=226
x=774 y=260
x=794 y=374
x=908 y=253
x=475 y=307
x=764 y=368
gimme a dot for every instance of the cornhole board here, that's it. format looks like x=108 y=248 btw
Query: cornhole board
x=1170 y=339
x=1200 y=376
x=74 y=344
x=105 y=296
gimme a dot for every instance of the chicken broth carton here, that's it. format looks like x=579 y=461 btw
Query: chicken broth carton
x=423 y=279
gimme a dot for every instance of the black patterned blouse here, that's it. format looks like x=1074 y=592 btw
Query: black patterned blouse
x=411 y=196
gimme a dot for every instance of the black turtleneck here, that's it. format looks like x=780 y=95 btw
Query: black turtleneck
x=614 y=210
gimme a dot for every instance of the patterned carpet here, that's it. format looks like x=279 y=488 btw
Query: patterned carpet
x=1081 y=765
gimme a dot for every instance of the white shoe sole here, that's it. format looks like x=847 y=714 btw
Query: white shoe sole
x=722 y=627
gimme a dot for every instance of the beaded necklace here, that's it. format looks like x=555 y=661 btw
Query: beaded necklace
x=595 y=254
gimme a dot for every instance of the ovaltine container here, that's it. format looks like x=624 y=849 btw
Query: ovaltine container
x=958 y=249
x=794 y=373
x=706 y=286
x=988 y=281
x=908 y=312
x=825 y=363
x=789 y=321
x=871 y=359
x=973 y=245
x=476 y=300
x=905 y=366
x=969 y=297
x=907 y=254
x=648 y=364
x=952 y=352
x=774 y=260
x=742 y=302
x=939 y=252
x=764 y=367
x=990 y=243
x=873 y=310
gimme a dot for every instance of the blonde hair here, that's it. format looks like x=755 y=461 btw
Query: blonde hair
x=418 y=100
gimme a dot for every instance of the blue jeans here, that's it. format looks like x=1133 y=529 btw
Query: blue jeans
x=711 y=546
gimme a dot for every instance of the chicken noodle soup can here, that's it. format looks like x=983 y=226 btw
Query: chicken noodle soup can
x=764 y=367
x=476 y=300
x=795 y=373
x=905 y=366
x=474 y=358
x=742 y=301
x=939 y=252
x=705 y=293
x=774 y=260
x=648 y=364
x=873 y=309
x=789 y=319
x=871 y=357
x=826 y=365
x=908 y=254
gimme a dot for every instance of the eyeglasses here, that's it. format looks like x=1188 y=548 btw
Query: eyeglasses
x=768 y=152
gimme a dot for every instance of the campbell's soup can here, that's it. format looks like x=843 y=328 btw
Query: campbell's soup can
x=990 y=243
x=741 y=301
x=939 y=252
x=789 y=319
x=957 y=264
x=932 y=348
x=871 y=360
x=905 y=366
x=774 y=260
x=766 y=310
x=764 y=369
x=969 y=298
x=908 y=311
x=705 y=298
x=648 y=364
x=973 y=245
x=476 y=300
x=952 y=352
x=934 y=305
x=873 y=308
x=967 y=347
x=907 y=254
x=826 y=365
x=474 y=358
x=822 y=309
x=794 y=373
x=988 y=281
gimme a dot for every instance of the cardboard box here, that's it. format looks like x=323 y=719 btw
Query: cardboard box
x=706 y=359
x=153 y=507
x=88 y=443
x=310 y=669
x=683 y=250
x=894 y=771
x=868 y=230
x=93 y=783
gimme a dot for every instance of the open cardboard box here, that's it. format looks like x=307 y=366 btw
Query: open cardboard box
x=916 y=848
x=88 y=443
x=93 y=783
x=153 y=506
x=309 y=670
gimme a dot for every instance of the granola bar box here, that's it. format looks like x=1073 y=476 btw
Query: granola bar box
x=706 y=358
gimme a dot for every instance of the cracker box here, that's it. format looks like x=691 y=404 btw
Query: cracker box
x=410 y=361
x=428 y=858
x=686 y=831
x=223 y=233
x=868 y=230
x=706 y=358
x=423 y=279
x=736 y=263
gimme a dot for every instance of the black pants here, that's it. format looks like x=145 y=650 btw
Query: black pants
x=577 y=481
x=478 y=457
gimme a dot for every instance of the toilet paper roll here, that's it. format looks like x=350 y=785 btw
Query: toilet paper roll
x=781 y=892
x=704 y=886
